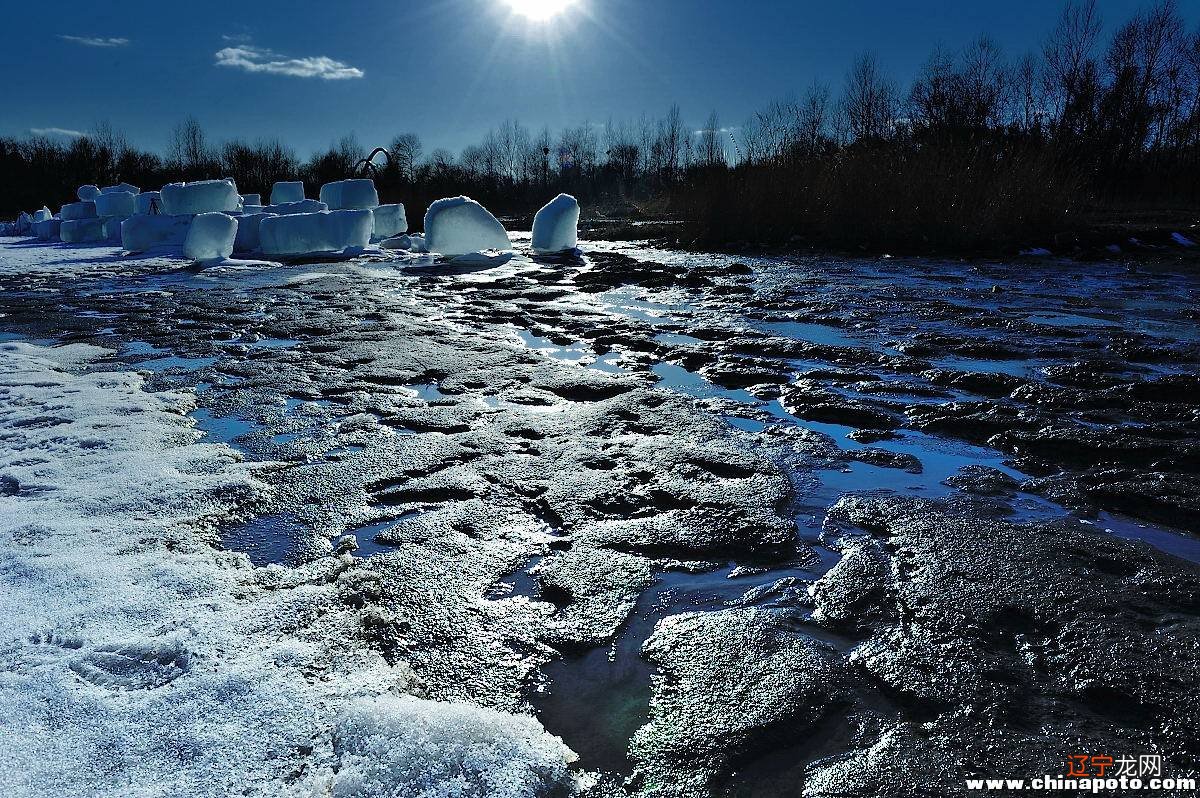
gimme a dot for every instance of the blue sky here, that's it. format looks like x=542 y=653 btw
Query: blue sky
x=309 y=72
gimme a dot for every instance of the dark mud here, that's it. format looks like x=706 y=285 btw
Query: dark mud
x=730 y=527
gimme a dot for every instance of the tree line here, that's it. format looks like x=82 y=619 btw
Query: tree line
x=983 y=148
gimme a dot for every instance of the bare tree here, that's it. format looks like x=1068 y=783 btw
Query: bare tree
x=1071 y=76
x=870 y=100
x=406 y=153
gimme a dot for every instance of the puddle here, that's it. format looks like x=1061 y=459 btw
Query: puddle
x=269 y=539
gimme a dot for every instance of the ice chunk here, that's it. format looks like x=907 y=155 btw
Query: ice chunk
x=42 y=215
x=458 y=225
x=389 y=221
x=210 y=237
x=116 y=203
x=251 y=199
x=416 y=243
x=149 y=202
x=47 y=230
x=205 y=196
x=88 y=192
x=556 y=226
x=289 y=208
x=401 y=745
x=121 y=188
x=112 y=227
x=350 y=195
x=80 y=231
x=143 y=231
x=78 y=210
x=248 y=239
x=305 y=233
x=284 y=191
x=396 y=242
x=24 y=224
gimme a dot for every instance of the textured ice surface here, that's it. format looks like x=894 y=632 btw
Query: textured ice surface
x=304 y=233
x=389 y=221
x=116 y=203
x=88 y=192
x=85 y=209
x=121 y=188
x=556 y=226
x=144 y=662
x=350 y=195
x=210 y=237
x=142 y=232
x=79 y=231
x=458 y=225
x=248 y=239
x=205 y=196
x=285 y=191
x=148 y=201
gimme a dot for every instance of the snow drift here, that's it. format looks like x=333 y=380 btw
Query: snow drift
x=458 y=225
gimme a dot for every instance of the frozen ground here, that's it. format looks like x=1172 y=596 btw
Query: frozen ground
x=733 y=527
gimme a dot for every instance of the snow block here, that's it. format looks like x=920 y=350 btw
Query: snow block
x=143 y=231
x=112 y=228
x=42 y=215
x=290 y=208
x=121 y=188
x=396 y=242
x=252 y=199
x=78 y=210
x=248 y=238
x=389 y=221
x=310 y=233
x=458 y=225
x=350 y=195
x=205 y=196
x=556 y=226
x=88 y=192
x=24 y=224
x=149 y=202
x=116 y=203
x=47 y=230
x=283 y=192
x=210 y=236
x=81 y=231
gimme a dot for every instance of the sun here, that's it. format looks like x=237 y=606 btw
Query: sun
x=540 y=10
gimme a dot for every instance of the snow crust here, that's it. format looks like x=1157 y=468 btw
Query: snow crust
x=204 y=196
x=145 y=663
x=354 y=195
x=556 y=226
x=459 y=225
x=310 y=233
x=210 y=237
x=287 y=191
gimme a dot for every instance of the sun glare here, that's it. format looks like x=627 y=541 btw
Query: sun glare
x=540 y=10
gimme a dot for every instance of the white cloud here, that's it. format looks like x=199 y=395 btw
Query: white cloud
x=96 y=41
x=57 y=131
x=257 y=59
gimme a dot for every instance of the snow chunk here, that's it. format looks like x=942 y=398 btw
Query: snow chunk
x=80 y=231
x=149 y=202
x=405 y=746
x=142 y=232
x=210 y=237
x=42 y=215
x=292 y=208
x=116 y=203
x=284 y=191
x=88 y=192
x=205 y=196
x=389 y=221
x=121 y=188
x=252 y=199
x=112 y=228
x=556 y=226
x=350 y=195
x=458 y=225
x=307 y=233
x=78 y=210
x=47 y=230
x=248 y=238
